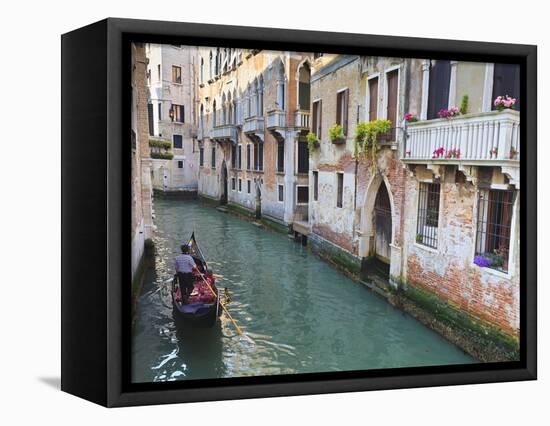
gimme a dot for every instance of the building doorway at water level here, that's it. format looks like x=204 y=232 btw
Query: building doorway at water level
x=382 y=231
x=223 y=179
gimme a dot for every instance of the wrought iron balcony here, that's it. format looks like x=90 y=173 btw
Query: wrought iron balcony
x=489 y=138
x=254 y=127
x=302 y=119
x=224 y=133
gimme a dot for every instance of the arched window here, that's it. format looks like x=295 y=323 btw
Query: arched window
x=202 y=70
x=214 y=123
x=224 y=110
x=255 y=109
x=304 y=93
x=201 y=118
x=261 y=96
x=229 y=109
x=210 y=67
x=247 y=104
x=281 y=86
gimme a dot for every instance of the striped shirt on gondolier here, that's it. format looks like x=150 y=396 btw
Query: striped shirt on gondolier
x=184 y=263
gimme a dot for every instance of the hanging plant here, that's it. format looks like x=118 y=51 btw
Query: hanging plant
x=312 y=141
x=336 y=134
x=366 y=135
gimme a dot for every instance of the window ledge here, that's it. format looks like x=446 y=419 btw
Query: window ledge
x=492 y=271
x=426 y=248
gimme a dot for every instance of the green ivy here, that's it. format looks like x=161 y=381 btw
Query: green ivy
x=162 y=155
x=366 y=134
x=159 y=143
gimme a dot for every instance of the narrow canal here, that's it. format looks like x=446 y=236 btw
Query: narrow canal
x=303 y=315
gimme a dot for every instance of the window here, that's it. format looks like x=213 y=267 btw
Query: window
x=303 y=157
x=233 y=156
x=201 y=156
x=316 y=126
x=392 y=80
x=428 y=214
x=176 y=74
x=177 y=113
x=240 y=185
x=317 y=55
x=239 y=157
x=281 y=193
x=340 y=189
x=315 y=185
x=150 y=119
x=258 y=156
x=342 y=100
x=494 y=224
x=213 y=158
x=373 y=98
x=178 y=141
x=248 y=186
x=248 y=157
x=302 y=194
x=233 y=183
x=304 y=91
x=506 y=82
x=180 y=164
x=280 y=157
x=159 y=105
x=438 y=94
x=158 y=73
x=202 y=70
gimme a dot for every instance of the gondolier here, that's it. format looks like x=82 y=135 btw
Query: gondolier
x=185 y=266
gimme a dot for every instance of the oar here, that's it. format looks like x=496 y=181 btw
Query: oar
x=239 y=331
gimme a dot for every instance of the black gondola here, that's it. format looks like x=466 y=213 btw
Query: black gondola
x=203 y=305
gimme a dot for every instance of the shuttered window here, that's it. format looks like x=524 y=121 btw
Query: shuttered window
x=201 y=156
x=391 y=111
x=176 y=74
x=303 y=157
x=213 y=158
x=234 y=156
x=342 y=101
x=239 y=156
x=281 y=193
x=280 y=157
x=248 y=157
x=373 y=98
x=150 y=119
x=339 y=189
x=178 y=141
x=316 y=118
x=315 y=185
x=506 y=82
x=438 y=94
x=302 y=194
x=178 y=113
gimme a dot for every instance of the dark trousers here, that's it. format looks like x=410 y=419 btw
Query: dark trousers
x=185 y=281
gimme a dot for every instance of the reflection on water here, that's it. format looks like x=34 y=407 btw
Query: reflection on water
x=303 y=316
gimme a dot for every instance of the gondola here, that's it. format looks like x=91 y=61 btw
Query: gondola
x=202 y=308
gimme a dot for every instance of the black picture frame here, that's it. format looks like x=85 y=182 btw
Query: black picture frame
x=96 y=207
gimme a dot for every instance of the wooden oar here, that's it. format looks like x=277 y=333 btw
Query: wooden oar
x=239 y=331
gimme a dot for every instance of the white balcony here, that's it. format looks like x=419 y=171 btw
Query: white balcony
x=302 y=119
x=275 y=119
x=254 y=128
x=489 y=138
x=224 y=133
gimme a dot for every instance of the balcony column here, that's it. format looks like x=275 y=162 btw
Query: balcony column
x=290 y=146
x=505 y=137
x=425 y=89
x=452 y=85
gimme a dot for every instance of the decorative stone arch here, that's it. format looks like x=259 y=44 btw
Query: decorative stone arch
x=280 y=81
x=366 y=243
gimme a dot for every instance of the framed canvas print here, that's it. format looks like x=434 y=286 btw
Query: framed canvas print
x=252 y=212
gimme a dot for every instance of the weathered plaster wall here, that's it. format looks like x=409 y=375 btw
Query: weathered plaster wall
x=449 y=271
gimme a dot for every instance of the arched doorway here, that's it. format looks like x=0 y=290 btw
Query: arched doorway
x=223 y=176
x=382 y=229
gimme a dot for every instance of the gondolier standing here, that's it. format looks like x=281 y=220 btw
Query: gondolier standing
x=185 y=265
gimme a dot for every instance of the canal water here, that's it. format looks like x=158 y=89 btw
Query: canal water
x=302 y=315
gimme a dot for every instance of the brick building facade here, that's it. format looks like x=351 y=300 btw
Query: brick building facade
x=252 y=120
x=437 y=212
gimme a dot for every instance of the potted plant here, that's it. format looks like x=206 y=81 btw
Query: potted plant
x=493 y=152
x=464 y=105
x=449 y=113
x=411 y=118
x=439 y=152
x=418 y=238
x=504 y=102
x=312 y=141
x=366 y=137
x=336 y=134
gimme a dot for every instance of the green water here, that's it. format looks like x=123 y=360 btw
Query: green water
x=303 y=315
